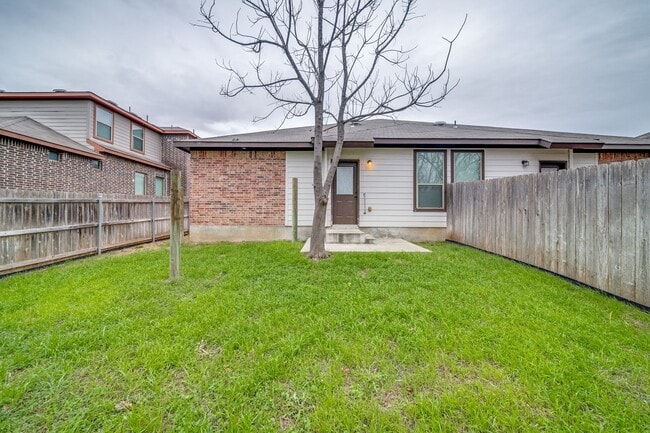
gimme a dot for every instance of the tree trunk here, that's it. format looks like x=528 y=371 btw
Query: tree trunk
x=317 y=245
x=318 y=231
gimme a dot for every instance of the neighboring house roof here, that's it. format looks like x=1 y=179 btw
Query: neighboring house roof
x=85 y=95
x=177 y=130
x=31 y=131
x=400 y=133
x=646 y=135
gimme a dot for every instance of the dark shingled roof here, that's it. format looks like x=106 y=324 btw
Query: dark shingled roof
x=27 y=129
x=399 y=133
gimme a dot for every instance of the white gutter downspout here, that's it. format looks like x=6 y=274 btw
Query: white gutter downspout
x=570 y=158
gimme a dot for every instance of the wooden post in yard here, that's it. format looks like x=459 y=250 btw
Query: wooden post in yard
x=294 y=208
x=153 y=219
x=100 y=221
x=175 y=226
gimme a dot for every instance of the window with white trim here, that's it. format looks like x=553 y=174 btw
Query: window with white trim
x=429 y=180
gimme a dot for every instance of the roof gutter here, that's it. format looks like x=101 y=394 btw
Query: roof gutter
x=188 y=145
x=460 y=142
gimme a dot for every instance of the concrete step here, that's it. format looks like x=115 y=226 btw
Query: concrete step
x=347 y=235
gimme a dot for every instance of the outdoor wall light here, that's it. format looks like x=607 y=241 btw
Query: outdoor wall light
x=369 y=163
x=525 y=163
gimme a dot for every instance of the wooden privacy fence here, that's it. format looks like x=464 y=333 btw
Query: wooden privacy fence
x=590 y=224
x=38 y=228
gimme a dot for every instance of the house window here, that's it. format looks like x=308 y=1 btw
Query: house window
x=137 y=138
x=97 y=164
x=53 y=155
x=160 y=186
x=467 y=166
x=140 y=184
x=103 y=124
x=546 y=166
x=429 y=180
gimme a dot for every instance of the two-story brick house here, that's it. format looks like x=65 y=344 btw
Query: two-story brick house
x=78 y=141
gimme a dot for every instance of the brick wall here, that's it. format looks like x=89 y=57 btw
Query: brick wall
x=237 y=188
x=608 y=157
x=26 y=166
x=177 y=159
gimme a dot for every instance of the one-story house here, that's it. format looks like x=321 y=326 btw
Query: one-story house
x=391 y=179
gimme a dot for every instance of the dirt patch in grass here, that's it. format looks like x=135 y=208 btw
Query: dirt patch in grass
x=396 y=396
x=203 y=349
x=151 y=246
x=637 y=323
x=287 y=423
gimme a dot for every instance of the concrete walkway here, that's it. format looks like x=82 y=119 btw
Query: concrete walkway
x=380 y=245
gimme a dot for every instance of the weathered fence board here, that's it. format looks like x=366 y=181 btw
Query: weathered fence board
x=590 y=224
x=643 y=232
x=38 y=228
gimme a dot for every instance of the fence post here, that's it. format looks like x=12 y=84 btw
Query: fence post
x=100 y=220
x=294 y=208
x=175 y=225
x=153 y=219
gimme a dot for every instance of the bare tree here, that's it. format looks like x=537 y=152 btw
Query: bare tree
x=342 y=60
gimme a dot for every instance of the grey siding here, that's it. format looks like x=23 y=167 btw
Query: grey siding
x=122 y=139
x=69 y=118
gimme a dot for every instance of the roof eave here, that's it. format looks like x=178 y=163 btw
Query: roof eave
x=459 y=142
x=189 y=145
x=50 y=145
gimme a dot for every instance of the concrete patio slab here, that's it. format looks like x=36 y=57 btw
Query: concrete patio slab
x=390 y=245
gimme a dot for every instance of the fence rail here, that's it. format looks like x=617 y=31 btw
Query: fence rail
x=591 y=224
x=39 y=228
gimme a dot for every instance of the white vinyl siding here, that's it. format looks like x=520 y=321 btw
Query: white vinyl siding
x=584 y=159
x=300 y=165
x=388 y=184
x=507 y=162
x=388 y=188
x=74 y=119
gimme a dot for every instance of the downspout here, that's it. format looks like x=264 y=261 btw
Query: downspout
x=570 y=158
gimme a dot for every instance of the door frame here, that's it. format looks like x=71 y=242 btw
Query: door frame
x=354 y=163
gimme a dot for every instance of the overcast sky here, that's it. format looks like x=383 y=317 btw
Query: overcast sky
x=568 y=65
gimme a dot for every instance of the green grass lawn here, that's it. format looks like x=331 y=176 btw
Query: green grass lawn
x=255 y=337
